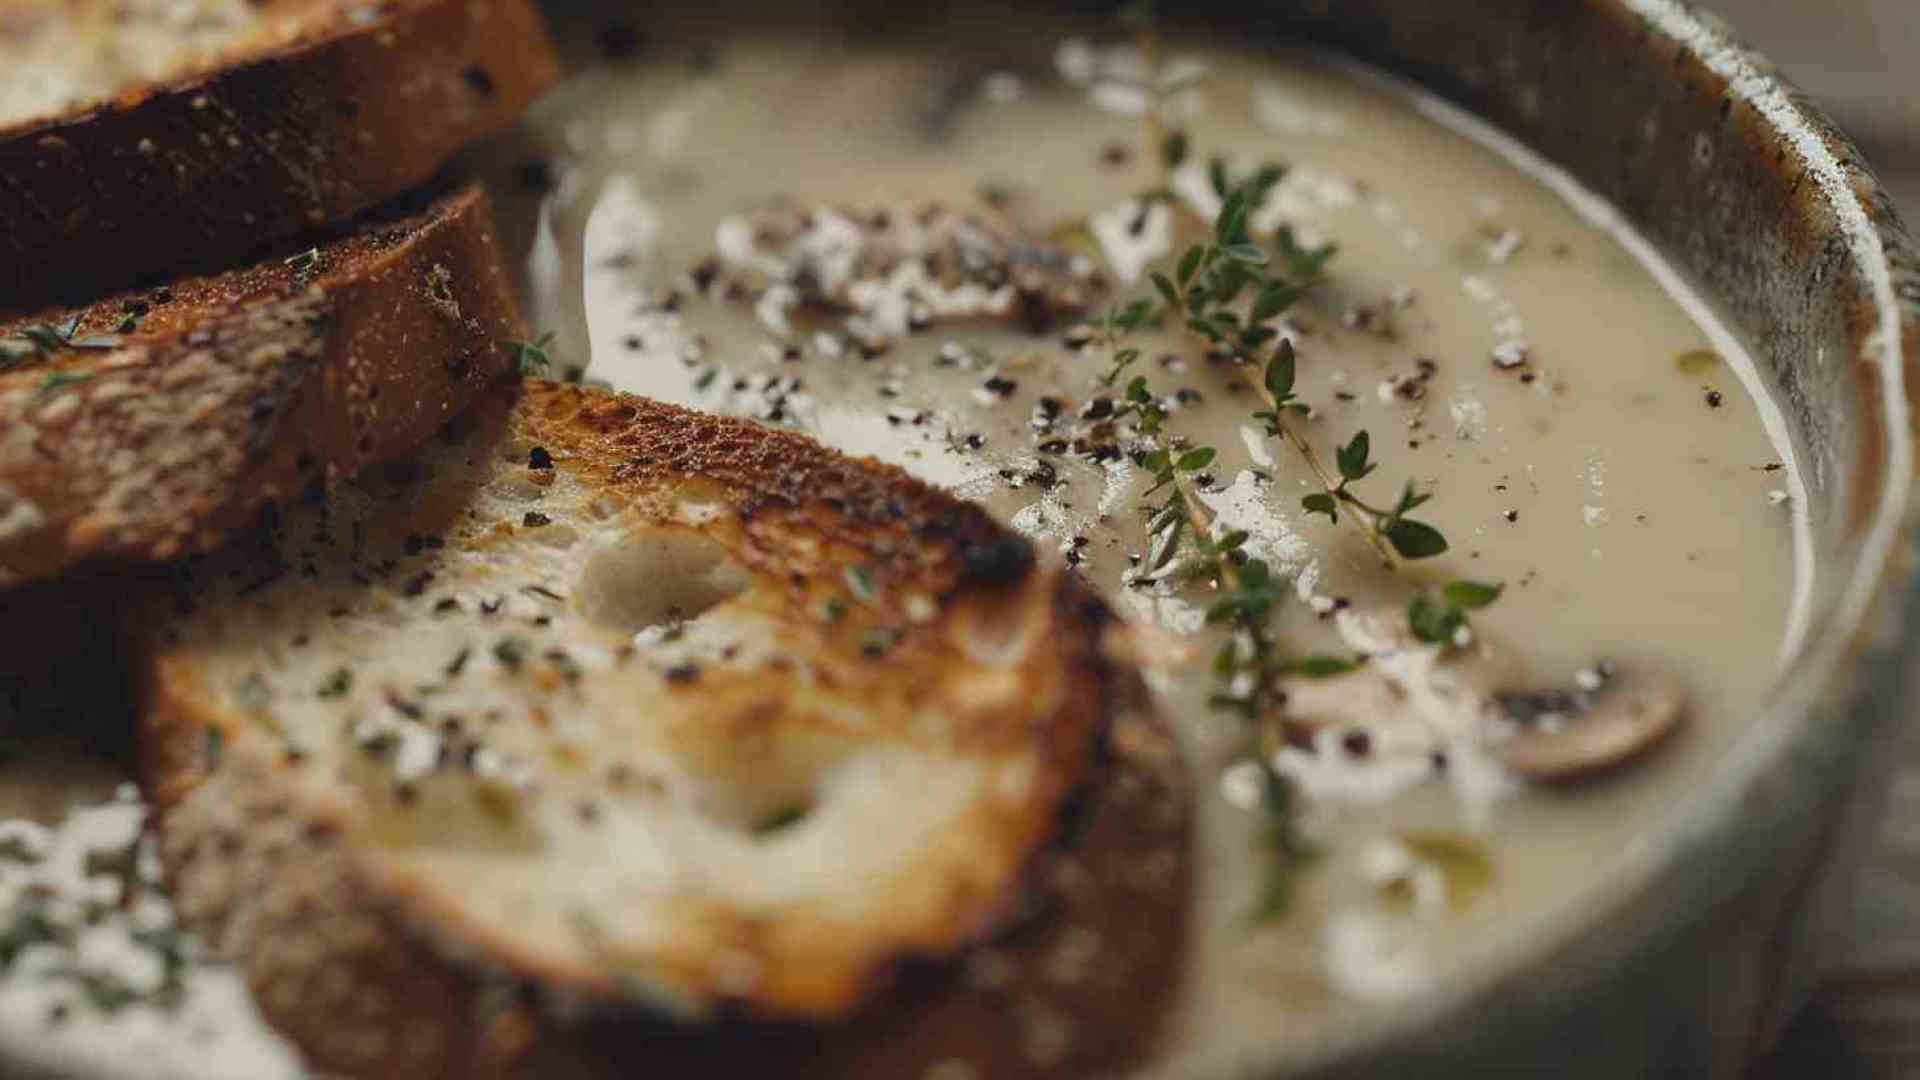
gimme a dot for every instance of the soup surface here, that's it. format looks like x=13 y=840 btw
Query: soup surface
x=1589 y=438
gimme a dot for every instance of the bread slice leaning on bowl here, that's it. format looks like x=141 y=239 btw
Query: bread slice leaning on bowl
x=610 y=738
x=146 y=425
x=141 y=140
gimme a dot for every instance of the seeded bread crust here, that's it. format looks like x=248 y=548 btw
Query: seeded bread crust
x=245 y=387
x=215 y=168
x=375 y=974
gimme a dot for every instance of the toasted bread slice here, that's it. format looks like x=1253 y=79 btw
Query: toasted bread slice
x=141 y=138
x=144 y=426
x=620 y=708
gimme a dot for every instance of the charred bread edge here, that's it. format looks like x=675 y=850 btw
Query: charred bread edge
x=410 y=338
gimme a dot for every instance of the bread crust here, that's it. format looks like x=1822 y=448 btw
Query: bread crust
x=213 y=169
x=372 y=977
x=245 y=387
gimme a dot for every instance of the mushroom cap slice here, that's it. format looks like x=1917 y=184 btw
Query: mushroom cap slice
x=1625 y=720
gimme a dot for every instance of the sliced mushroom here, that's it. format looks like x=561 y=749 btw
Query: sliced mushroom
x=1361 y=698
x=1629 y=716
x=1404 y=683
x=1409 y=693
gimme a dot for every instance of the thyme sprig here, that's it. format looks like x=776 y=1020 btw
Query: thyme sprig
x=530 y=358
x=1181 y=526
x=1441 y=620
x=1411 y=538
x=1227 y=291
x=1209 y=278
x=40 y=341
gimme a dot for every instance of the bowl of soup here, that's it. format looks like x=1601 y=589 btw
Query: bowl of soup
x=1550 y=361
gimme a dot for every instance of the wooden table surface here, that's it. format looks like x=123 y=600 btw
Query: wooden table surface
x=1861 y=59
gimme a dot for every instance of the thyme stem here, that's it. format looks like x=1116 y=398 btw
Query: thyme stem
x=1366 y=517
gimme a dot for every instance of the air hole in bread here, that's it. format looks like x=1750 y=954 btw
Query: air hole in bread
x=650 y=581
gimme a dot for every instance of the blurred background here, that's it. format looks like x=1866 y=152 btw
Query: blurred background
x=1861 y=60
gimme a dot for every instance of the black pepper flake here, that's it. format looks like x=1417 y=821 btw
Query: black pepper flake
x=535 y=520
x=535 y=175
x=1511 y=515
x=1357 y=743
x=539 y=458
x=1714 y=399
x=683 y=674
x=999 y=386
x=1003 y=561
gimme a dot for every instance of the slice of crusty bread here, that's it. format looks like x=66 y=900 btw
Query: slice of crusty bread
x=148 y=137
x=144 y=426
x=605 y=708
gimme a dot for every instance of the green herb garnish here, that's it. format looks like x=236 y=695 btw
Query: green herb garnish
x=530 y=357
x=56 y=381
x=510 y=652
x=1439 y=620
x=336 y=685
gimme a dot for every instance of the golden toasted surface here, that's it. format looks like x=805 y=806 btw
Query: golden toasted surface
x=667 y=715
x=144 y=426
x=159 y=137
